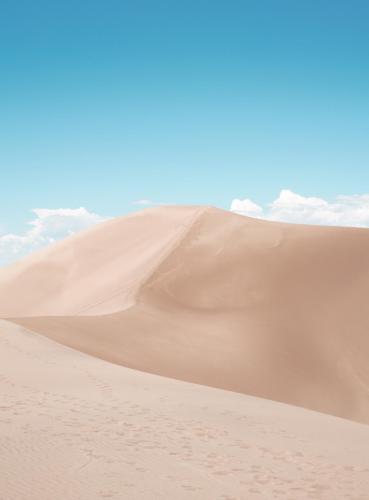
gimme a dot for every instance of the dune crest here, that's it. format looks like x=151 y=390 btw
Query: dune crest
x=97 y=271
x=195 y=293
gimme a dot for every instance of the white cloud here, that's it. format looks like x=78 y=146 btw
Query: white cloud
x=246 y=207
x=292 y=207
x=146 y=203
x=143 y=202
x=288 y=198
x=48 y=226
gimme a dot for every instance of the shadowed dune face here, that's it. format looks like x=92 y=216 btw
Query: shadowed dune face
x=273 y=310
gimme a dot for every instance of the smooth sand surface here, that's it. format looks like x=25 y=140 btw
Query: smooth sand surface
x=96 y=271
x=74 y=427
x=274 y=310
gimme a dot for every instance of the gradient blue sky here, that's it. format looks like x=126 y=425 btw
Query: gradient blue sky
x=103 y=103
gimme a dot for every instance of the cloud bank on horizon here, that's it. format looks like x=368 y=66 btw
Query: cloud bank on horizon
x=50 y=225
x=292 y=207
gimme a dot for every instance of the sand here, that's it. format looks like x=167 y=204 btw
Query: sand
x=78 y=428
x=187 y=352
x=273 y=310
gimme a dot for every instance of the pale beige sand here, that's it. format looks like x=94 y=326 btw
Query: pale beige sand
x=96 y=271
x=273 y=310
x=73 y=427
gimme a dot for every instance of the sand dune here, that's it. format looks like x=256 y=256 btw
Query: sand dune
x=265 y=309
x=75 y=427
x=97 y=271
x=273 y=310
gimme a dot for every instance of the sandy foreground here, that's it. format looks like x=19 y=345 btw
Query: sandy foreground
x=178 y=353
x=74 y=427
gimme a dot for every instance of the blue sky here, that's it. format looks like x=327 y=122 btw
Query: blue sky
x=105 y=103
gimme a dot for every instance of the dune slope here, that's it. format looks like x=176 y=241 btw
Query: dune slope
x=273 y=310
x=93 y=272
x=75 y=427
